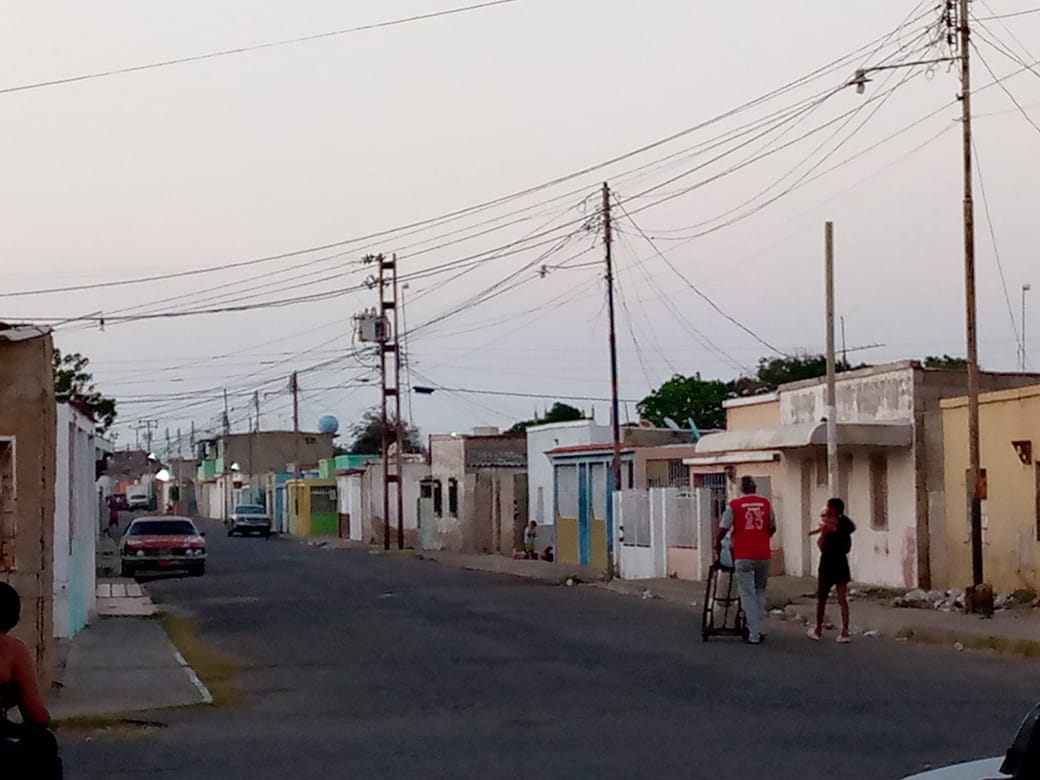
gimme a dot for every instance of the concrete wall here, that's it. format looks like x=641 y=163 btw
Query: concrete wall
x=372 y=503
x=266 y=451
x=350 y=495
x=761 y=411
x=541 y=439
x=1011 y=511
x=75 y=523
x=28 y=429
x=883 y=394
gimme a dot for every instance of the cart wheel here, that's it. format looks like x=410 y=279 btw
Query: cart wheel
x=704 y=636
x=745 y=634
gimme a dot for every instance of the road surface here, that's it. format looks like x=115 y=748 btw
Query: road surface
x=356 y=665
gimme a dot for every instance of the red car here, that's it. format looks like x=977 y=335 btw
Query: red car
x=163 y=544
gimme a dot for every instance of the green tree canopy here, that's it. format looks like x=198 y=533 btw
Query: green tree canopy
x=74 y=384
x=946 y=361
x=773 y=372
x=559 y=412
x=367 y=435
x=683 y=397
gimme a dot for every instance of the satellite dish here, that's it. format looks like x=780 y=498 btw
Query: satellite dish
x=328 y=424
x=672 y=424
x=695 y=429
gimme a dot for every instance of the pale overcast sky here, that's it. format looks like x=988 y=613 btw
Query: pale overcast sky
x=288 y=148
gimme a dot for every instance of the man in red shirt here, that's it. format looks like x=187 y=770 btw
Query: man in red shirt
x=751 y=520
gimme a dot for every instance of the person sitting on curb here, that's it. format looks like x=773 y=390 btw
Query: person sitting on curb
x=835 y=542
x=27 y=749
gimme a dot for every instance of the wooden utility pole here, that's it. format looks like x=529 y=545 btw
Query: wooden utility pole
x=294 y=388
x=975 y=480
x=608 y=239
x=832 y=400
x=256 y=409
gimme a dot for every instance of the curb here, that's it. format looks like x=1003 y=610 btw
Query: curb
x=944 y=637
x=207 y=697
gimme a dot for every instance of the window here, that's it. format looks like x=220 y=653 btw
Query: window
x=8 y=527
x=631 y=475
x=453 y=497
x=879 y=492
x=162 y=528
x=323 y=500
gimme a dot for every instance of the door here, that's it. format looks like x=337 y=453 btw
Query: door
x=584 y=513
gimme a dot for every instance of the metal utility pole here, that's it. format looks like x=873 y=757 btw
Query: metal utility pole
x=146 y=426
x=256 y=409
x=405 y=354
x=227 y=483
x=608 y=239
x=975 y=481
x=294 y=388
x=386 y=333
x=832 y=400
x=398 y=421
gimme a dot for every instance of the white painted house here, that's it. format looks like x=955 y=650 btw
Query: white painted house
x=540 y=440
x=76 y=522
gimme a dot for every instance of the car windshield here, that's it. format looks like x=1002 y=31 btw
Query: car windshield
x=163 y=528
x=249 y=509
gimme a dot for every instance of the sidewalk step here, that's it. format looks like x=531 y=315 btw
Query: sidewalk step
x=123 y=598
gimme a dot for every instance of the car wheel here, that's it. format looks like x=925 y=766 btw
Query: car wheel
x=126 y=570
x=231 y=532
x=198 y=569
x=267 y=534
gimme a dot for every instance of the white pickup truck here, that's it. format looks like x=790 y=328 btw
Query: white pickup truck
x=138 y=497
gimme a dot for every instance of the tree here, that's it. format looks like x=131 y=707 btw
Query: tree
x=946 y=361
x=559 y=412
x=773 y=372
x=367 y=435
x=74 y=384
x=683 y=397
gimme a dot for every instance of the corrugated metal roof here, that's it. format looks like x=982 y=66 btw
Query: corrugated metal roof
x=15 y=332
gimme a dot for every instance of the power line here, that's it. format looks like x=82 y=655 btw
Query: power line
x=246 y=49
x=1000 y=83
x=451 y=216
x=993 y=238
x=694 y=287
x=1011 y=15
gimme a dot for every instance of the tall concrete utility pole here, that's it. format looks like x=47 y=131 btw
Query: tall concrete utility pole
x=615 y=414
x=976 y=482
x=832 y=399
x=256 y=409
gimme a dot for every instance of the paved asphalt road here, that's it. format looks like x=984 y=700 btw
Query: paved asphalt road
x=360 y=666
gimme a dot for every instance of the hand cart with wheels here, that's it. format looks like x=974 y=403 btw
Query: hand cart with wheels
x=723 y=614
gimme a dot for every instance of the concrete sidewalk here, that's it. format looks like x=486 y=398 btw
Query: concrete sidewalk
x=791 y=599
x=120 y=665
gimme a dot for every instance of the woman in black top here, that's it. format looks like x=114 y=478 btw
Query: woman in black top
x=835 y=542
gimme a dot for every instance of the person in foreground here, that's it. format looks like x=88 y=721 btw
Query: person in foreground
x=752 y=522
x=835 y=543
x=27 y=749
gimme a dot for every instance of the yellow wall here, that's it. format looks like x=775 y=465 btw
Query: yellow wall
x=598 y=543
x=759 y=415
x=1011 y=550
x=567 y=539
